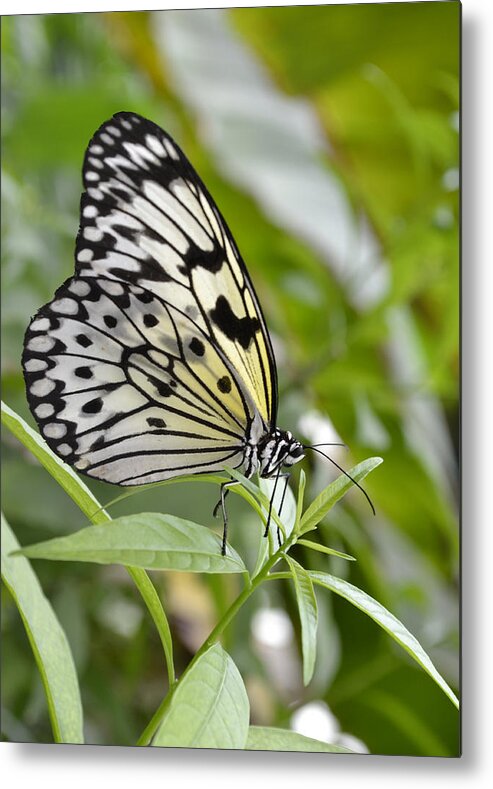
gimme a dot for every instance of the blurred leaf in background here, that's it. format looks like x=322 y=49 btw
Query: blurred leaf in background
x=328 y=136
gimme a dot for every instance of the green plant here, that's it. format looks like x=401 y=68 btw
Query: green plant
x=208 y=705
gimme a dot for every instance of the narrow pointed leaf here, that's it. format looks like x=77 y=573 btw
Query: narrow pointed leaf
x=48 y=642
x=288 y=511
x=299 y=502
x=269 y=738
x=247 y=483
x=388 y=621
x=324 y=502
x=316 y=546
x=307 y=606
x=90 y=506
x=209 y=708
x=63 y=474
x=262 y=554
x=149 y=540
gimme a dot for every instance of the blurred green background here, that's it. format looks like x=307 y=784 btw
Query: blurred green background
x=328 y=136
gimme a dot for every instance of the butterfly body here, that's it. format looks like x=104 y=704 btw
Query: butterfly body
x=276 y=449
x=154 y=360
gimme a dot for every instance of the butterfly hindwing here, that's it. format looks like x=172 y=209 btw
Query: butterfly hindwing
x=126 y=392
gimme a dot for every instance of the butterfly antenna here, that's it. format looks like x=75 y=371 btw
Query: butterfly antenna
x=316 y=449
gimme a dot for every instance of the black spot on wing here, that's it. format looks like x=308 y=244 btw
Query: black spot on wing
x=93 y=406
x=195 y=257
x=150 y=320
x=240 y=330
x=130 y=233
x=196 y=346
x=83 y=372
x=83 y=340
x=224 y=384
x=153 y=235
x=154 y=421
x=122 y=301
x=148 y=270
x=145 y=297
x=164 y=389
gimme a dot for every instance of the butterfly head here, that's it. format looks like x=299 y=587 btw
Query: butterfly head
x=278 y=448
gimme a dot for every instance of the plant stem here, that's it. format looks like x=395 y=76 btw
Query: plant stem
x=153 y=724
x=231 y=612
x=279 y=576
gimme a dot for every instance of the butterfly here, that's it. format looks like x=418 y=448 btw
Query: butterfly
x=154 y=360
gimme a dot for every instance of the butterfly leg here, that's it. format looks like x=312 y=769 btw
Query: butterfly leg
x=225 y=486
x=286 y=478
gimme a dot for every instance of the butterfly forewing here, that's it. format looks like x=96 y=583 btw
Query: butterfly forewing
x=147 y=218
x=153 y=360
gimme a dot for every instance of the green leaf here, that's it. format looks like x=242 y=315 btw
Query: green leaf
x=259 y=497
x=248 y=484
x=82 y=496
x=48 y=642
x=319 y=508
x=317 y=546
x=262 y=554
x=63 y=474
x=388 y=621
x=307 y=606
x=150 y=540
x=269 y=738
x=209 y=708
x=247 y=491
x=288 y=512
x=299 y=502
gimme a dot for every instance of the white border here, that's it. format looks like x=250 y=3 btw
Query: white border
x=79 y=766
